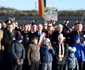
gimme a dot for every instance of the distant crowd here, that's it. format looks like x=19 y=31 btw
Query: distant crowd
x=42 y=46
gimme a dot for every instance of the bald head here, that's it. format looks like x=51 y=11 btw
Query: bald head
x=40 y=27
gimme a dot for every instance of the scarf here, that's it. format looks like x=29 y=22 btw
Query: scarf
x=61 y=49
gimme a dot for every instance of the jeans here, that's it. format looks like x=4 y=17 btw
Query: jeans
x=34 y=65
x=47 y=66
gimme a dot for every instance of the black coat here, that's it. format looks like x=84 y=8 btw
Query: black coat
x=54 y=37
x=36 y=34
x=8 y=38
x=74 y=33
x=64 y=60
x=26 y=38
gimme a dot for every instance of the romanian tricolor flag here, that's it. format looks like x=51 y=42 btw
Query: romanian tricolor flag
x=41 y=39
x=41 y=5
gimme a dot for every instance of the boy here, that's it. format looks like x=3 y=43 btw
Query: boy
x=47 y=53
x=33 y=53
x=17 y=53
x=72 y=61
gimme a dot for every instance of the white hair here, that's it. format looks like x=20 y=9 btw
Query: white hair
x=60 y=36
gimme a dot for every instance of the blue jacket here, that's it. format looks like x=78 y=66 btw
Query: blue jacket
x=73 y=63
x=46 y=54
x=79 y=49
x=17 y=51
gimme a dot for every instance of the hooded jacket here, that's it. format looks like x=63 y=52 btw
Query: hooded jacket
x=46 y=54
x=79 y=49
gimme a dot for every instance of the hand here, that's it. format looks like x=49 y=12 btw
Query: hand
x=60 y=58
x=21 y=61
x=29 y=62
x=18 y=60
x=51 y=47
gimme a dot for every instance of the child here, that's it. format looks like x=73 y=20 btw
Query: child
x=47 y=53
x=17 y=53
x=72 y=61
x=33 y=53
x=79 y=53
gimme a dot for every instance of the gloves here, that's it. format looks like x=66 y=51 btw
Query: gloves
x=20 y=61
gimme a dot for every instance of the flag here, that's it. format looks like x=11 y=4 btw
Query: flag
x=41 y=39
x=41 y=5
x=44 y=3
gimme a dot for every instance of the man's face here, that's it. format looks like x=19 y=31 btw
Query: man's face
x=34 y=27
x=40 y=27
x=10 y=28
x=45 y=26
x=26 y=28
x=78 y=27
x=60 y=28
x=50 y=27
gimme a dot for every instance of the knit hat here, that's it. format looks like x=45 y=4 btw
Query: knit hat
x=19 y=36
x=71 y=49
x=46 y=40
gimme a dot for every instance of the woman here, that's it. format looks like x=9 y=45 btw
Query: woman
x=61 y=53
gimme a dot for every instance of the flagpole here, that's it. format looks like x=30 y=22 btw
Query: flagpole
x=35 y=6
x=82 y=17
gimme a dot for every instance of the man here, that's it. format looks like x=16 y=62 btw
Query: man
x=3 y=26
x=26 y=36
x=45 y=27
x=78 y=31
x=34 y=28
x=8 y=38
x=40 y=34
x=59 y=31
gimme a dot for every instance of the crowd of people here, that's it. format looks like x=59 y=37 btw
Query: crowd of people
x=41 y=46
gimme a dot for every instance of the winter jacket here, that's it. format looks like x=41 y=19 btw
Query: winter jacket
x=8 y=38
x=17 y=51
x=56 y=57
x=46 y=54
x=26 y=38
x=72 y=62
x=80 y=52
